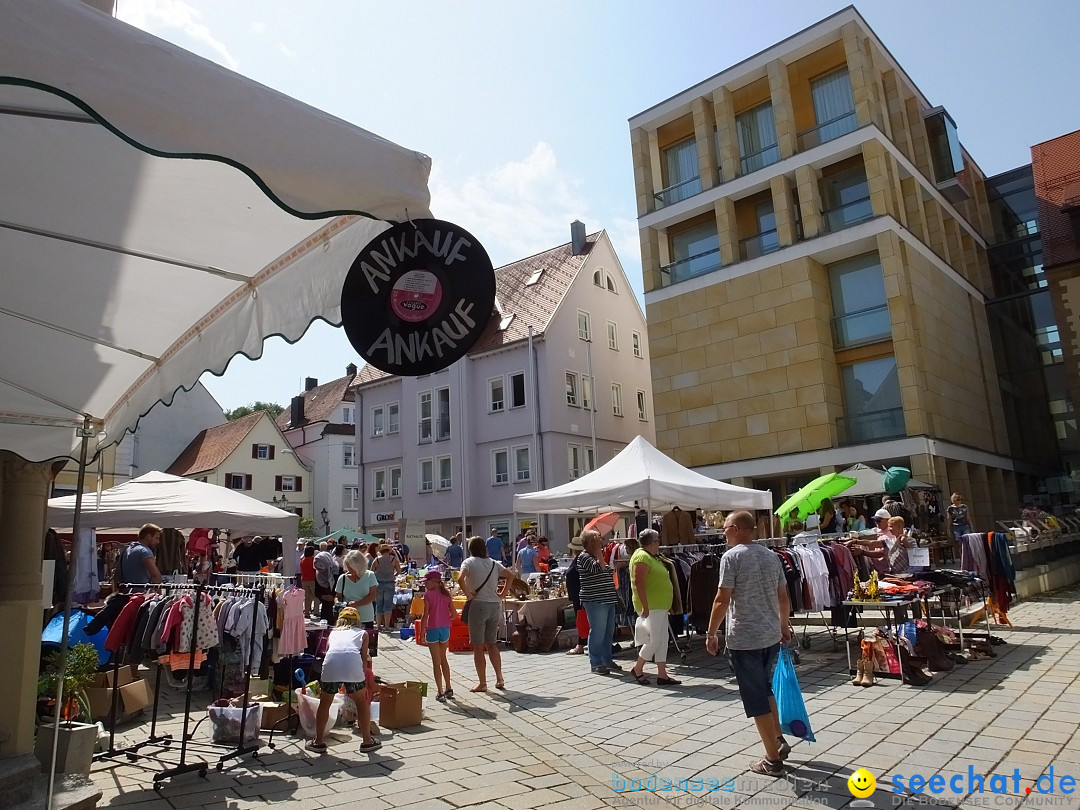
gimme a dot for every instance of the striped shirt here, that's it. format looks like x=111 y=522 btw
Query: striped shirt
x=597 y=581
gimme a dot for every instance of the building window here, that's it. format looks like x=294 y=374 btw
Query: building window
x=872 y=405
x=598 y=278
x=263 y=452
x=635 y=338
x=240 y=481
x=587 y=384
x=612 y=336
x=846 y=197
x=288 y=483
x=945 y=154
x=860 y=309
x=590 y=458
x=500 y=466
x=694 y=252
x=497 y=395
x=517 y=390
x=756 y=131
x=346 y=416
x=442 y=404
x=682 y=177
x=584 y=329
x=834 y=107
x=609 y=283
x=522 y=463
x=427 y=475
x=572 y=389
x=573 y=459
x=446 y=478
x=393 y=418
x=395 y=481
x=348 y=455
x=378 y=421
x=424 y=417
x=378 y=484
x=616 y=399
x=350 y=495
x=642 y=406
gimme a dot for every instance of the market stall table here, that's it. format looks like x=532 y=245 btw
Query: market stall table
x=885 y=607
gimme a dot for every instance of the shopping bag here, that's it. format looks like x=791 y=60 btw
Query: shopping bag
x=789 y=701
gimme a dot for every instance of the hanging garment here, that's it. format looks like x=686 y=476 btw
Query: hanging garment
x=677 y=528
x=704 y=580
x=293 y=636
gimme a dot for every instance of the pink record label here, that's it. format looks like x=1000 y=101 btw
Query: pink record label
x=416 y=296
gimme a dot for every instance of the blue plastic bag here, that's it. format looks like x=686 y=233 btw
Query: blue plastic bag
x=789 y=702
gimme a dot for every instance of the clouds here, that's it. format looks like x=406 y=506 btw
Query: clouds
x=155 y=15
x=525 y=206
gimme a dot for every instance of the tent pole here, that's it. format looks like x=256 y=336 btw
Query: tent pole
x=85 y=432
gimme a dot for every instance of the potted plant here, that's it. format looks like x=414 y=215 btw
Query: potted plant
x=75 y=744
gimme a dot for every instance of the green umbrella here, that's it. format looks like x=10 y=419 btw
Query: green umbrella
x=350 y=535
x=807 y=500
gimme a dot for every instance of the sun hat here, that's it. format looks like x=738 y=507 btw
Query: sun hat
x=882 y=514
x=576 y=544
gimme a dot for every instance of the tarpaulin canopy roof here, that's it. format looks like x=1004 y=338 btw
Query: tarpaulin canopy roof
x=168 y=500
x=161 y=214
x=640 y=475
x=870 y=481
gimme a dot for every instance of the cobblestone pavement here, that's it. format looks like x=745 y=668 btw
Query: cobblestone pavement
x=561 y=738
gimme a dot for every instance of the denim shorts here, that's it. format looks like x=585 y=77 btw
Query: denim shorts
x=753 y=673
x=437 y=635
x=384 y=597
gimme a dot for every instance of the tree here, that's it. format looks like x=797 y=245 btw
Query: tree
x=271 y=408
x=306 y=527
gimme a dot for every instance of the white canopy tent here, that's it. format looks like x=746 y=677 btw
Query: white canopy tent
x=161 y=214
x=640 y=476
x=169 y=500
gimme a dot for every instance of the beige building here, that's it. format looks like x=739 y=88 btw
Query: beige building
x=813 y=241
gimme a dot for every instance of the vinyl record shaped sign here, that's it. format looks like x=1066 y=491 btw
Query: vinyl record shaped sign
x=418 y=297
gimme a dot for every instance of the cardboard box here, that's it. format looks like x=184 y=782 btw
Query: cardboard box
x=274 y=713
x=401 y=704
x=132 y=697
x=124 y=675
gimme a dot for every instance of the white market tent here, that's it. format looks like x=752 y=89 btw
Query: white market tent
x=169 y=500
x=640 y=476
x=871 y=481
x=160 y=215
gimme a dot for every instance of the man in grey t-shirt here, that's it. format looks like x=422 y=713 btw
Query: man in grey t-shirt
x=753 y=596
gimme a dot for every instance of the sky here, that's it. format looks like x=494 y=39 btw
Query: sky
x=523 y=107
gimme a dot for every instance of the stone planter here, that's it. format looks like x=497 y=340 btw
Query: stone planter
x=74 y=751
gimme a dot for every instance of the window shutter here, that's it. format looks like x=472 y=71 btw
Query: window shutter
x=271 y=452
x=299 y=481
x=247 y=482
x=254 y=451
x=277 y=483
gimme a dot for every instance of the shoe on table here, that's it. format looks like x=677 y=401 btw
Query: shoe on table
x=601 y=671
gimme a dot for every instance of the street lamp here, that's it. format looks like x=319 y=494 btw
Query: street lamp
x=325 y=521
x=281 y=504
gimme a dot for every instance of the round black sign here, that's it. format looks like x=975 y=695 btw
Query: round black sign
x=418 y=297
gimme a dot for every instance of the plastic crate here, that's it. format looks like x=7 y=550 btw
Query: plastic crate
x=459 y=644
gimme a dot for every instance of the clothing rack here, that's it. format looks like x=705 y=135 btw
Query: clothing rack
x=132 y=753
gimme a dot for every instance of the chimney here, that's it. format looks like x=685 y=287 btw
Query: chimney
x=310 y=382
x=350 y=370
x=577 y=236
x=296 y=411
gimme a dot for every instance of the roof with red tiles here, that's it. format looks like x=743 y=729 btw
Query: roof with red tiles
x=212 y=446
x=521 y=304
x=319 y=403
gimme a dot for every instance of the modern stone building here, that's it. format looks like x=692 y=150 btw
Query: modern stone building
x=814 y=243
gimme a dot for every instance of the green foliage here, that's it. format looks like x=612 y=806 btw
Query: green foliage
x=271 y=408
x=306 y=527
x=82 y=665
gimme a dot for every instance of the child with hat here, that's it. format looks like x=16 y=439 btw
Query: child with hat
x=439 y=612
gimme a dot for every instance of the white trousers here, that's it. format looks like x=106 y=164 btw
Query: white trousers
x=652 y=634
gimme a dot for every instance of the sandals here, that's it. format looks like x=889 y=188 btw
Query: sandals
x=641 y=679
x=441 y=697
x=575 y=651
x=783 y=748
x=448 y=694
x=668 y=682
x=317 y=747
x=500 y=685
x=766 y=767
x=374 y=745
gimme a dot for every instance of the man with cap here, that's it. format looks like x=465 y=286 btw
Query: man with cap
x=873 y=548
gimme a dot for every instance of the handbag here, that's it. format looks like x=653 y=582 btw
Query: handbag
x=789 y=701
x=468 y=604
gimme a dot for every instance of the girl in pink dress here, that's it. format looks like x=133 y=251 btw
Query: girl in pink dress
x=439 y=612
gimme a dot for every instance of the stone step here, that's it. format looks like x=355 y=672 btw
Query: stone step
x=17 y=779
x=72 y=792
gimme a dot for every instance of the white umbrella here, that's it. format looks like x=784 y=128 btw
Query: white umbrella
x=438 y=543
x=161 y=215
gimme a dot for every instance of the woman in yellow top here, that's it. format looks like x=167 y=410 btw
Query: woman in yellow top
x=653 y=596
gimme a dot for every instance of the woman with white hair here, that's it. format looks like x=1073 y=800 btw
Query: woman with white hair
x=358 y=588
x=653 y=597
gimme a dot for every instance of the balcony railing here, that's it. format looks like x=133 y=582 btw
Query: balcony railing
x=760 y=159
x=862 y=326
x=764 y=242
x=677 y=192
x=874 y=426
x=830 y=130
x=690 y=267
x=844 y=216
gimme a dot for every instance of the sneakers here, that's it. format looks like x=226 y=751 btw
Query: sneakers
x=784 y=748
x=366 y=748
x=601 y=671
x=614 y=666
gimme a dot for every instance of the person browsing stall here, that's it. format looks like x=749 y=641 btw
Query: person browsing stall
x=598 y=596
x=344 y=665
x=358 y=587
x=386 y=568
x=250 y=555
x=439 y=613
x=653 y=598
x=526 y=559
x=138 y=563
x=479 y=580
x=753 y=597
x=455 y=554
